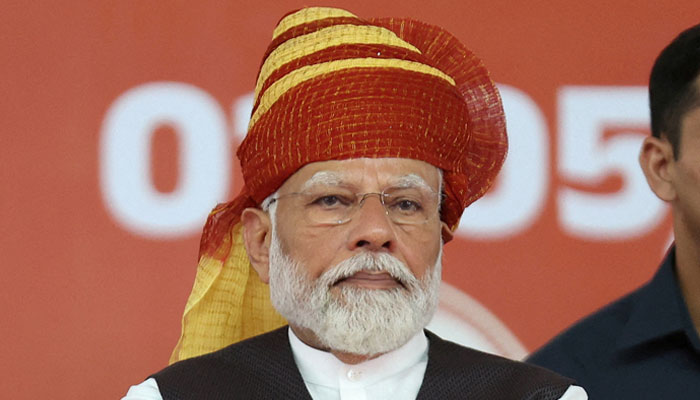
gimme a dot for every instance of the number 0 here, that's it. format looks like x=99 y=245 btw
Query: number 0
x=205 y=159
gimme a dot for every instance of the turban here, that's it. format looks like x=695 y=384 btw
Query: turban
x=333 y=86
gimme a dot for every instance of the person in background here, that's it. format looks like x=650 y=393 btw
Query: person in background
x=646 y=345
x=367 y=140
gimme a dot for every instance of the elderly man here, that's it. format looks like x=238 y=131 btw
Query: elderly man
x=646 y=345
x=366 y=142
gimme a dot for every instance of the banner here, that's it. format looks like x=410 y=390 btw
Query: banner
x=120 y=124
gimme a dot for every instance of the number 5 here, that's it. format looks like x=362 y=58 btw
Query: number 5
x=585 y=157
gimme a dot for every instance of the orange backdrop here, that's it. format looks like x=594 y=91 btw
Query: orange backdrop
x=97 y=261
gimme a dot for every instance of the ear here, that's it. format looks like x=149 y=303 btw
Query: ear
x=257 y=231
x=447 y=234
x=656 y=160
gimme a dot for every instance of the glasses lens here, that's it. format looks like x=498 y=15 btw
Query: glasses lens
x=324 y=205
x=410 y=205
x=328 y=205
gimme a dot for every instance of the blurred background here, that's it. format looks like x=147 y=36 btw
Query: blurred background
x=120 y=122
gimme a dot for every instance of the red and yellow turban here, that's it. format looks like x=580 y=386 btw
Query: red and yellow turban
x=333 y=86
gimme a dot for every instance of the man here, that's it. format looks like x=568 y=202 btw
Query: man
x=646 y=345
x=366 y=142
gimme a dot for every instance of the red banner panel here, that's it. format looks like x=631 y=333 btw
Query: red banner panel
x=120 y=123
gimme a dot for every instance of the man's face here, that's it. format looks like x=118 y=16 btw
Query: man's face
x=367 y=285
x=685 y=174
x=320 y=247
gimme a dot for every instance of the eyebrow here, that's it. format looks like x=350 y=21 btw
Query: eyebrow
x=332 y=178
x=323 y=178
x=413 y=180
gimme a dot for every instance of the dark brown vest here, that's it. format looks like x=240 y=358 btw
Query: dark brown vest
x=263 y=368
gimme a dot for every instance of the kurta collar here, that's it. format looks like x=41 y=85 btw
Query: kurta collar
x=323 y=368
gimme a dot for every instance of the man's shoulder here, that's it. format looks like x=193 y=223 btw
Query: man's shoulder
x=248 y=353
x=464 y=368
x=248 y=366
x=581 y=347
x=461 y=357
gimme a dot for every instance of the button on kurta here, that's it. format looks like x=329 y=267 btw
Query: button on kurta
x=354 y=375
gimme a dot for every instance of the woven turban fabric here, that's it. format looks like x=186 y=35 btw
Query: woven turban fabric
x=333 y=86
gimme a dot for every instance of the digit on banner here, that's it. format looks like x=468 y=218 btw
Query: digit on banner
x=125 y=151
x=585 y=157
x=519 y=195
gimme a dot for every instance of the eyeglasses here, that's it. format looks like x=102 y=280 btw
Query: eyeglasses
x=332 y=205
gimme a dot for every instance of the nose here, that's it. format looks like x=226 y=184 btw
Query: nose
x=371 y=228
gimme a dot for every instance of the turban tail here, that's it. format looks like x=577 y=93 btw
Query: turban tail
x=332 y=87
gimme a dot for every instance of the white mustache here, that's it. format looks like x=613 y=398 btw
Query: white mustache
x=370 y=262
x=356 y=319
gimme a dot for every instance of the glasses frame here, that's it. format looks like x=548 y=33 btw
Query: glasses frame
x=361 y=197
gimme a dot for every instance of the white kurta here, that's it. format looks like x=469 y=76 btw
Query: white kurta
x=396 y=375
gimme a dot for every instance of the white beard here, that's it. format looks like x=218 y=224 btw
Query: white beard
x=354 y=320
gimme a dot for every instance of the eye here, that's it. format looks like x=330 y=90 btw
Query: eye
x=331 y=201
x=406 y=206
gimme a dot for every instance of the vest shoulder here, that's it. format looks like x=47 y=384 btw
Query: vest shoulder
x=249 y=366
x=465 y=357
x=485 y=375
x=247 y=353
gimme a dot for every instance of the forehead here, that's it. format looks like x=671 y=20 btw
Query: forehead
x=365 y=173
